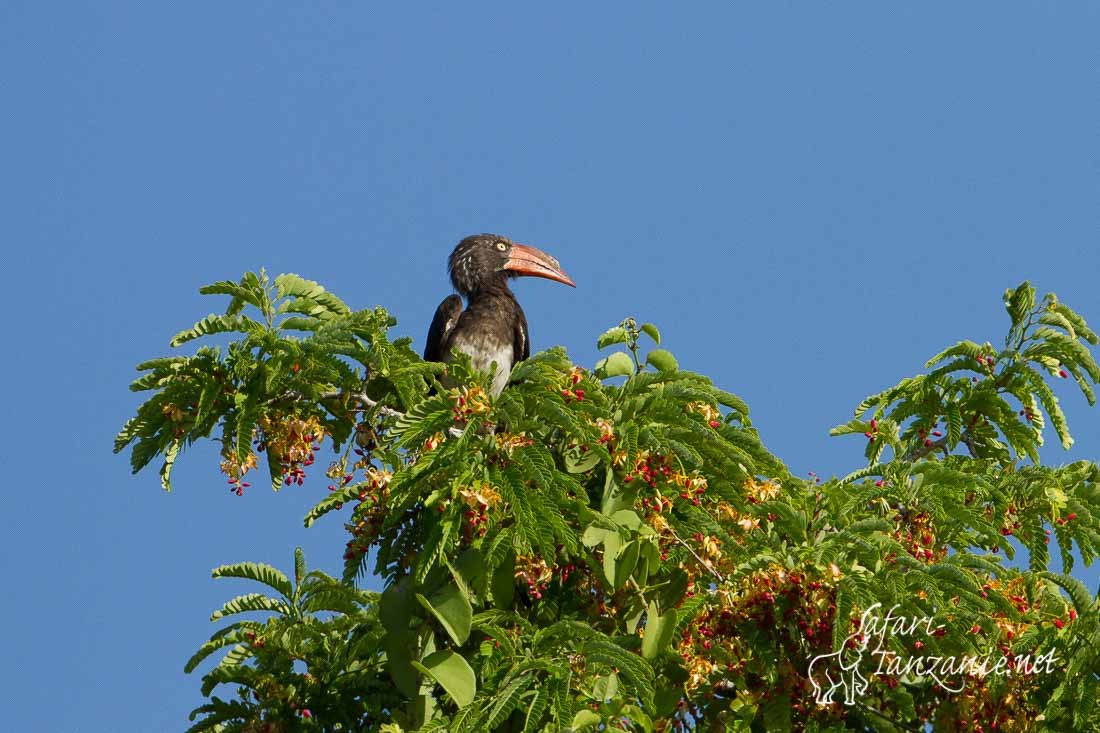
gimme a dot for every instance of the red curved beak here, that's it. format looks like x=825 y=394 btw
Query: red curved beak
x=536 y=263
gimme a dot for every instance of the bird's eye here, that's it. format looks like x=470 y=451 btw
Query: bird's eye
x=502 y=246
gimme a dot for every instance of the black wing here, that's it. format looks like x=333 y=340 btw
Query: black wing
x=521 y=345
x=446 y=316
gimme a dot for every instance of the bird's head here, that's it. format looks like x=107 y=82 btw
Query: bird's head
x=483 y=259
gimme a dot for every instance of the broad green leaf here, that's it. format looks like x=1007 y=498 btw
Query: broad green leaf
x=611 y=545
x=662 y=360
x=585 y=719
x=579 y=462
x=594 y=535
x=627 y=518
x=396 y=606
x=452 y=609
x=606 y=687
x=502 y=584
x=399 y=662
x=659 y=630
x=612 y=336
x=618 y=364
x=453 y=673
x=650 y=330
x=624 y=565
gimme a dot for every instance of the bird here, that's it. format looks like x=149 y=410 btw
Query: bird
x=492 y=328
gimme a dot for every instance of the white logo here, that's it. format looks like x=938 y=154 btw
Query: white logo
x=830 y=672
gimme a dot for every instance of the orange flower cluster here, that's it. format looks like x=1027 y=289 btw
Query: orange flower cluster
x=292 y=441
x=796 y=609
x=470 y=402
x=916 y=533
x=992 y=704
x=657 y=468
x=479 y=500
x=571 y=391
x=364 y=530
x=235 y=469
x=761 y=491
x=535 y=573
x=433 y=442
x=709 y=412
x=507 y=443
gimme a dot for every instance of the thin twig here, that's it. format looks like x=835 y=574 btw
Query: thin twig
x=701 y=561
x=363 y=399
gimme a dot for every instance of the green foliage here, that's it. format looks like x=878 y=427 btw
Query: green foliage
x=616 y=548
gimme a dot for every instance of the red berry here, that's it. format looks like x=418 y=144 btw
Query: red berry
x=306 y=713
x=1059 y=623
x=1063 y=373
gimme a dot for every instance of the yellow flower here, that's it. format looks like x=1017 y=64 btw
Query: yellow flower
x=607 y=429
x=484 y=496
x=761 y=490
x=379 y=479
x=470 y=401
x=509 y=442
x=727 y=512
x=659 y=523
x=708 y=411
x=712 y=548
x=433 y=442
x=700 y=671
x=234 y=469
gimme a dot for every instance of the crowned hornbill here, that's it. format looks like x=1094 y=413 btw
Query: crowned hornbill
x=493 y=327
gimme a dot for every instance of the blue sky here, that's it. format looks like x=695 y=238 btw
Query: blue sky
x=809 y=199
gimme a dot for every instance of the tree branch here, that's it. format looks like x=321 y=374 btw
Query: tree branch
x=931 y=447
x=363 y=399
x=721 y=578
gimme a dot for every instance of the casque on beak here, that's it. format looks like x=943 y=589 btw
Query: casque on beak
x=533 y=262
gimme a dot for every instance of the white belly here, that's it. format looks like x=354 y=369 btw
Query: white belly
x=484 y=354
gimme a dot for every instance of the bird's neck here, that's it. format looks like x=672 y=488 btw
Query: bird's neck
x=492 y=287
